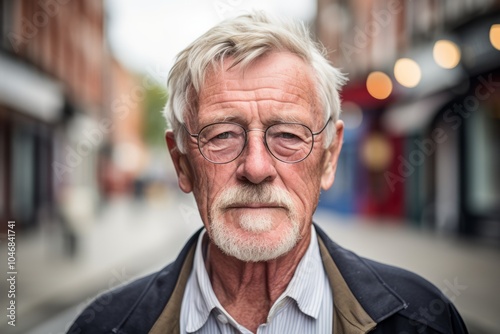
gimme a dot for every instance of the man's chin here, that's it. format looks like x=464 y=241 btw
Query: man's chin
x=257 y=222
x=252 y=245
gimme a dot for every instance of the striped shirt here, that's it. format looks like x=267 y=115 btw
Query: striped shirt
x=306 y=306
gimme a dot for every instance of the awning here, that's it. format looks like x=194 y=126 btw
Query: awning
x=27 y=90
x=412 y=117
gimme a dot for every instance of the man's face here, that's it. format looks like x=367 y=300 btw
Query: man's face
x=256 y=207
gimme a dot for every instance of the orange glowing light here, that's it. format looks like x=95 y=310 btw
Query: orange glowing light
x=495 y=36
x=446 y=54
x=407 y=72
x=379 y=85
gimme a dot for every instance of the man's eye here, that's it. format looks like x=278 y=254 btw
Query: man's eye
x=287 y=135
x=224 y=135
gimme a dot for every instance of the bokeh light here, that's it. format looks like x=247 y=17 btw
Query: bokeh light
x=446 y=54
x=379 y=85
x=495 y=36
x=407 y=72
x=377 y=152
x=352 y=115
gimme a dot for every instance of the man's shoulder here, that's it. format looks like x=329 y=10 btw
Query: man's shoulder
x=406 y=283
x=428 y=309
x=111 y=308
x=424 y=308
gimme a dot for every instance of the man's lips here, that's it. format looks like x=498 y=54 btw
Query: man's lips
x=255 y=206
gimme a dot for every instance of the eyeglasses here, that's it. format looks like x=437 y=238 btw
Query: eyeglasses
x=223 y=142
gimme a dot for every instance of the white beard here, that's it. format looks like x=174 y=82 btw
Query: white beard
x=254 y=247
x=252 y=223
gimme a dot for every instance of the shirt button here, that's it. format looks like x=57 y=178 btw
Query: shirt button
x=222 y=318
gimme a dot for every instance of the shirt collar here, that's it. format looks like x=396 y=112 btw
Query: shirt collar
x=306 y=286
x=202 y=299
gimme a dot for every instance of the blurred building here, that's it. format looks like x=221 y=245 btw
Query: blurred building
x=64 y=104
x=53 y=63
x=124 y=156
x=422 y=110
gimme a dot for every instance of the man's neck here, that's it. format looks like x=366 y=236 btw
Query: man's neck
x=247 y=290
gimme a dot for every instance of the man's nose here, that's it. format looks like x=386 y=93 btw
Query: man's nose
x=257 y=164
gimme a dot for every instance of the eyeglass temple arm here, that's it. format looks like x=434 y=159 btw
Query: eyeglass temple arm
x=194 y=135
x=324 y=127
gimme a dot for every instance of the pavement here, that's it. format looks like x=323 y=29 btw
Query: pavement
x=130 y=239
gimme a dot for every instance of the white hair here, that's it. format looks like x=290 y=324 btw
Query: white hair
x=246 y=38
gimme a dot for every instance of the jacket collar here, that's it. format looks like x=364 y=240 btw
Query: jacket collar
x=370 y=291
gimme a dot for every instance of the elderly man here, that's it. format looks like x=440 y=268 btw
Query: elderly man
x=254 y=112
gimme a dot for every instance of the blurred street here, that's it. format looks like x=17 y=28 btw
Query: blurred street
x=134 y=238
x=128 y=239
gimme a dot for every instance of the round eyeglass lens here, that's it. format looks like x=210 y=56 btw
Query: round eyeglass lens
x=289 y=142
x=221 y=142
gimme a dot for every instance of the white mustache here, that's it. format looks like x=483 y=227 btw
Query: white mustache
x=253 y=194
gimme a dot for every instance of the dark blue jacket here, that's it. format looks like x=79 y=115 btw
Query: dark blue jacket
x=368 y=297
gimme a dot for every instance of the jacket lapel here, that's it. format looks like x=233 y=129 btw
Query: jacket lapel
x=361 y=298
x=349 y=317
x=168 y=321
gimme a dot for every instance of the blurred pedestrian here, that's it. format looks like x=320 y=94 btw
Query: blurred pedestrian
x=255 y=135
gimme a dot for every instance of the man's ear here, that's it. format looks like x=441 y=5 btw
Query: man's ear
x=332 y=156
x=181 y=164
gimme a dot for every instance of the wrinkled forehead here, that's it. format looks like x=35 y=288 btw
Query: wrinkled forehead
x=277 y=70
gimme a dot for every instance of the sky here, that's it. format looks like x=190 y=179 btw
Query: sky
x=146 y=35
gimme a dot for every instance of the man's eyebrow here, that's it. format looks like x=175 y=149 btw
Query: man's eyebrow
x=228 y=118
x=286 y=119
x=234 y=118
x=277 y=119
